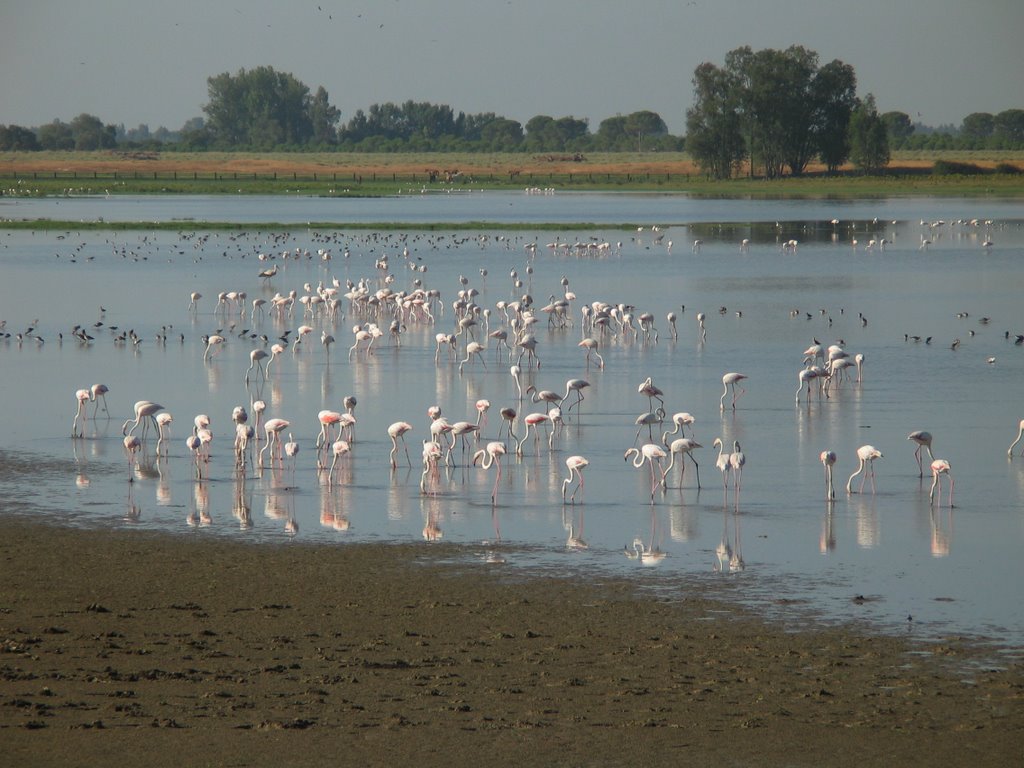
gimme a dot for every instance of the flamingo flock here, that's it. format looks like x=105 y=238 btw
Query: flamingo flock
x=469 y=335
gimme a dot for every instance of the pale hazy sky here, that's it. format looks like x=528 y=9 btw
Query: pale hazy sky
x=137 y=61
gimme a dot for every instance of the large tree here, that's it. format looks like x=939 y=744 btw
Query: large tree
x=869 y=138
x=834 y=94
x=713 y=124
x=786 y=109
x=259 y=108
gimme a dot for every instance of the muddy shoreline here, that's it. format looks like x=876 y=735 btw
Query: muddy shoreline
x=175 y=650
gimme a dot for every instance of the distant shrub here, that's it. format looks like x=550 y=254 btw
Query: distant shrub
x=950 y=168
x=1009 y=168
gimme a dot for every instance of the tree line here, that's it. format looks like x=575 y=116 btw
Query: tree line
x=772 y=111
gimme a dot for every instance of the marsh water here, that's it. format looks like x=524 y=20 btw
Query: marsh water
x=891 y=558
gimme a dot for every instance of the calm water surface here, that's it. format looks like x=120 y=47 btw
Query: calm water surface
x=876 y=557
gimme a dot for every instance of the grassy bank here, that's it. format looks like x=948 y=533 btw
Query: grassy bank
x=340 y=175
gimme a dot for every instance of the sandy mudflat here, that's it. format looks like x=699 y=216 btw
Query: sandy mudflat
x=134 y=648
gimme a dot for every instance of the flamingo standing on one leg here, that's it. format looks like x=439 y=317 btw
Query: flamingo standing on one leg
x=867 y=455
x=491 y=455
x=828 y=460
x=731 y=380
x=650 y=453
x=575 y=464
x=923 y=440
x=941 y=467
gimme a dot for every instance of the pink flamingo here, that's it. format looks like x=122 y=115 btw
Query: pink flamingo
x=327 y=419
x=941 y=467
x=431 y=456
x=397 y=431
x=273 y=428
x=731 y=380
x=493 y=452
x=682 y=447
x=131 y=447
x=867 y=455
x=532 y=420
x=577 y=386
x=82 y=397
x=923 y=440
x=828 y=460
x=650 y=453
x=1020 y=435
x=575 y=465
x=144 y=409
x=339 y=448
x=97 y=392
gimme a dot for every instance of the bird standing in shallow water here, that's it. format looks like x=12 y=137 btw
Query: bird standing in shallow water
x=866 y=454
x=940 y=467
x=923 y=440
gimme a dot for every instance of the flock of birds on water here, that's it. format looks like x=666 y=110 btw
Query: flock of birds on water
x=383 y=315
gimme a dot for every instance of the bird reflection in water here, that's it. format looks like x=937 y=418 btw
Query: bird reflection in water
x=651 y=553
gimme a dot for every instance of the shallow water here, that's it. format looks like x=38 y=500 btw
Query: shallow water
x=877 y=557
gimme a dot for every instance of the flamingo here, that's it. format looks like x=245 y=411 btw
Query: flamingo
x=431 y=455
x=273 y=428
x=1020 y=436
x=923 y=440
x=163 y=426
x=828 y=460
x=591 y=345
x=339 y=448
x=96 y=392
x=575 y=465
x=682 y=420
x=397 y=431
x=648 y=420
x=327 y=420
x=941 y=467
x=577 y=386
x=731 y=380
x=291 y=450
x=143 y=409
x=806 y=376
x=652 y=392
x=533 y=420
x=737 y=459
x=459 y=431
x=491 y=455
x=722 y=462
x=255 y=361
x=544 y=395
x=867 y=455
x=474 y=348
x=682 y=447
x=214 y=341
x=131 y=447
x=514 y=372
x=82 y=397
x=650 y=453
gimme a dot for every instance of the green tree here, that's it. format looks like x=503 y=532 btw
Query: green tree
x=869 y=138
x=899 y=127
x=15 y=138
x=713 y=124
x=501 y=135
x=89 y=133
x=978 y=126
x=1009 y=127
x=834 y=94
x=259 y=108
x=324 y=118
x=56 y=135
